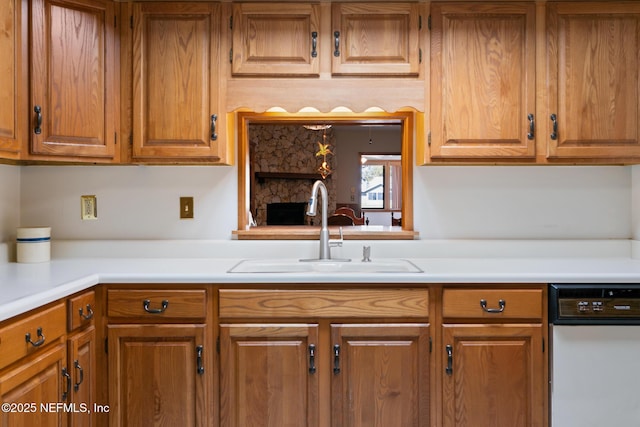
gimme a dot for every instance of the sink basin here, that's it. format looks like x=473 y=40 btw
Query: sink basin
x=389 y=265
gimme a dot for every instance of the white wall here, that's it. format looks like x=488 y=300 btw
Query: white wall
x=450 y=202
x=9 y=201
x=526 y=202
x=134 y=202
x=635 y=202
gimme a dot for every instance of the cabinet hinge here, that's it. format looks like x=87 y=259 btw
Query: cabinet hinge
x=543 y=345
x=131 y=140
x=429 y=22
x=115 y=21
x=231 y=22
x=420 y=56
x=430 y=345
x=231 y=56
x=420 y=22
x=131 y=22
x=429 y=138
x=115 y=138
x=106 y=346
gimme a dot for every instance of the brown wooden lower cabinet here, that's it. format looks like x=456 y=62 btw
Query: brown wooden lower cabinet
x=157 y=375
x=431 y=356
x=160 y=357
x=380 y=375
x=270 y=374
x=81 y=364
x=494 y=370
x=35 y=382
x=324 y=357
x=493 y=376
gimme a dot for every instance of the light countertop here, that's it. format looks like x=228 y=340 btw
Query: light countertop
x=24 y=287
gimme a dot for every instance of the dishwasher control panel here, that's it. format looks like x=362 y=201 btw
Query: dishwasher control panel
x=580 y=307
x=594 y=303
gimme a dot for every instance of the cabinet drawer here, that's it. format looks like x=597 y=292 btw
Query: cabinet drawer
x=379 y=303
x=492 y=303
x=80 y=310
x=44 y=326
x=173 y=304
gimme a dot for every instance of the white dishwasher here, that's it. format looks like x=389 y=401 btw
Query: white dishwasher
x=595 y=355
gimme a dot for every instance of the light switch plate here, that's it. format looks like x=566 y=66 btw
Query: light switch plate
x=186 y=207
x=88 y=207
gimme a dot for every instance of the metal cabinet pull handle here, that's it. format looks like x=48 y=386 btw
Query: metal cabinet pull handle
x=554 y=120
x=449 y=368
x=89 y=314
x=65 y=393
x=336 y=359
x=532 y=127
x=312 y=358
x=314 y=44
x=40 y=341
x=76 y=364
x=200 y=367
x=336 y=41
x=214 y=135
x=38 y=129
x=501 y=303
x=145 y=304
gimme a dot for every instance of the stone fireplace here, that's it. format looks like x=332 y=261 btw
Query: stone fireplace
x=283 y=167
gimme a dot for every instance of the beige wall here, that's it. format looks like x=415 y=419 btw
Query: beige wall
x=450 y=202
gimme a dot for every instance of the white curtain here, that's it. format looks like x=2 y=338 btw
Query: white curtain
x=396 y=186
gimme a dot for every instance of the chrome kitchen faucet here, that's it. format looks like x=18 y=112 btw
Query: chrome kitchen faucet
x=312 y=210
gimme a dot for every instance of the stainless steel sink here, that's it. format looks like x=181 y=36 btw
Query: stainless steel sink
x=388 y=265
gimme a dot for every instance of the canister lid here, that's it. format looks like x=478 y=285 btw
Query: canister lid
x=31 y=233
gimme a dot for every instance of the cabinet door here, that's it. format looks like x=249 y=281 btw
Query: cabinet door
x=159 y=375
x=82 y=368
x=37 y=381
x=72 y=78
x=268 y=375
x=482 y=80
x=594 y=79
x=12 y=79
x=276 y=39
x=380 y=375
x=493 y=376
x=375 y=39
x=175 y=81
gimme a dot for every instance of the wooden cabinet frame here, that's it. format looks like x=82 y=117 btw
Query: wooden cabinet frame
x=278 y=39
x=13 y=87
x=594 y=82
x=375 y=39
x=406 y=119
x=483 y=81
x=176 y=83
x=73 y=80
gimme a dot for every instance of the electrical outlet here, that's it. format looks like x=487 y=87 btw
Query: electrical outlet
x=186 y=207
x=88 y=207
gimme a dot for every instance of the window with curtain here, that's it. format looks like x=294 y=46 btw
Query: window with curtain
x=380 y=182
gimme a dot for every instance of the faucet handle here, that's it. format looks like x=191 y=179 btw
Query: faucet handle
x=337 y=242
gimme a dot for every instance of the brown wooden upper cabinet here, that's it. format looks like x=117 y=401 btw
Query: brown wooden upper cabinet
x=375 y=39
x=72 y=79
x=594 y=70
x=276 y=39
x=12 y=80
x=483 y=94
x=176 y=51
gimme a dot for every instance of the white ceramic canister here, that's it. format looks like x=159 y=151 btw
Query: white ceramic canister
x=33 y=244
